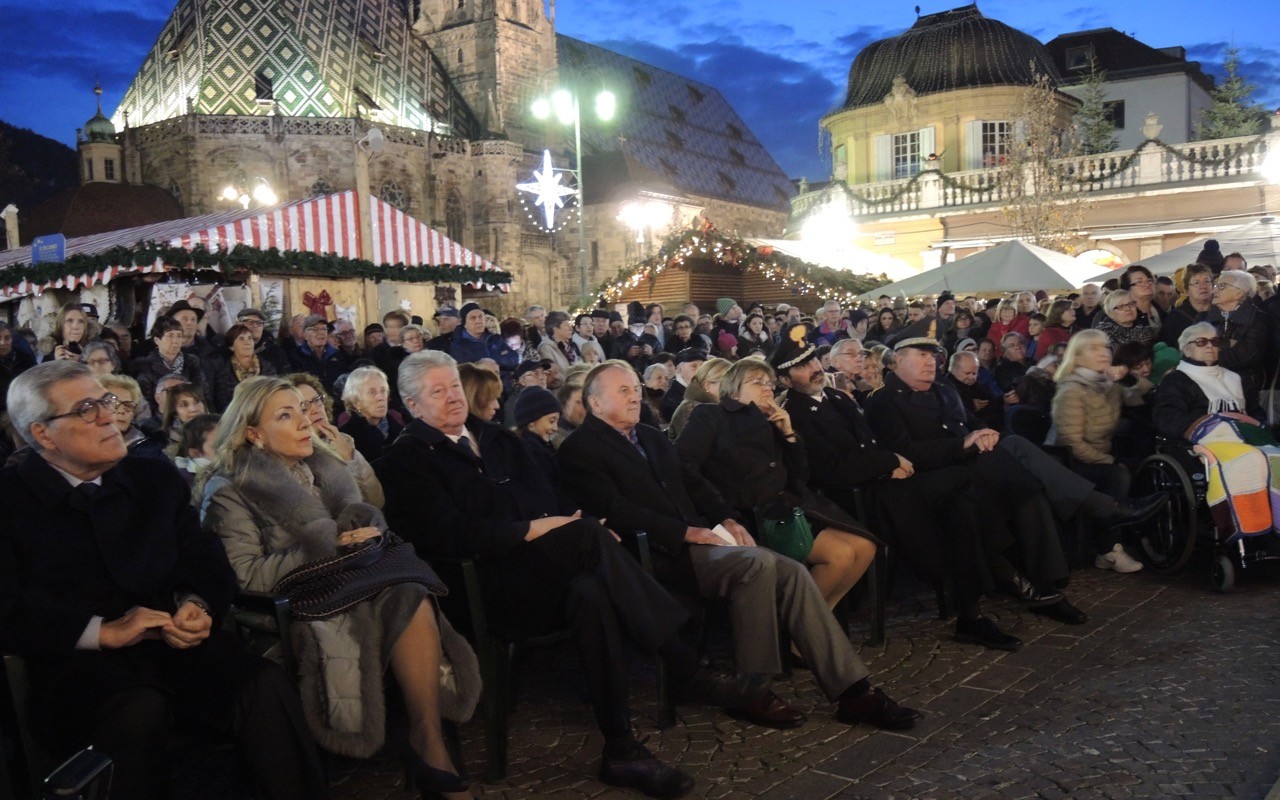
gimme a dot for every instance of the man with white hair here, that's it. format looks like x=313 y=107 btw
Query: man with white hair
x=457 y=486
x=115 y=596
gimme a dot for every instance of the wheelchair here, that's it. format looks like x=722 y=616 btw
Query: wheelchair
x=1167 y=541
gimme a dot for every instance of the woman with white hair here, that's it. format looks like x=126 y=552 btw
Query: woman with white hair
x=1203 y=402
x=1244 y=330
x=372 y=426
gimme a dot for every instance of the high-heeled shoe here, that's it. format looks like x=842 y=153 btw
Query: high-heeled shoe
x=430 y=782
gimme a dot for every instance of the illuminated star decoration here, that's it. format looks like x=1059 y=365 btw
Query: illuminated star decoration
x=547 y=190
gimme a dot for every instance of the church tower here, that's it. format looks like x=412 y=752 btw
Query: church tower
x=501 y=54
x=99 y=148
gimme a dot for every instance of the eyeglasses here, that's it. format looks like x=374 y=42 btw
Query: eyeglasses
x=1224 y=285
x=98 y=362
x=88 y=410
x=127 y=406
x=306 y=405
x=253 y=323
x=763 y=383
x=1125 y=306
x=1207 y=342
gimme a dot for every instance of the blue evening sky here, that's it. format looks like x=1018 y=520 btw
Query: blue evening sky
x=781 y=64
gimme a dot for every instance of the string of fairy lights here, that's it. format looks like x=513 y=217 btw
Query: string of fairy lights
x=567 y=216
x=703 y=241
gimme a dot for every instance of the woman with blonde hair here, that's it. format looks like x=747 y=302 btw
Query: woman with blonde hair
x=483 y=389
x=72 y=330
x=1009 y=319
x=1086 y=411
x=704 y=387
x=745 y=446
x=278 y=502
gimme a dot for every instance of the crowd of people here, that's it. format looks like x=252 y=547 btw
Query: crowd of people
x=765 y=454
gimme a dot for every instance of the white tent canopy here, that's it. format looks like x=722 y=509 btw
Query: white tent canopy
x=1012 y=266
x=845 y=258
x=1258 y=242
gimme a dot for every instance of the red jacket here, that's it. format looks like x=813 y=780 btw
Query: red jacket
x=1020 y=324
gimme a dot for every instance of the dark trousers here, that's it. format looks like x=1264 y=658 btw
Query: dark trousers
x=1112 y=480
x=578 y=576
x=124 y=703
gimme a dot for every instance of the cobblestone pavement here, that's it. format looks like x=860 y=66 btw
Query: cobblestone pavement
x=1168 y=691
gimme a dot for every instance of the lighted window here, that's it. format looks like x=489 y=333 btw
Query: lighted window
x=906 y=154
x=995 y=142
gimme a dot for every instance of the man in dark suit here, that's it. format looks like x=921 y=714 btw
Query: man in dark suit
x=926 y=422
x=630 y=474
x=459 y=486
x=113 y=593
x=844 y=457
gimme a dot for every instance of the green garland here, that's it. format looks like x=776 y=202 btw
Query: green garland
x=243 y=258
x=704 y=241
x=1123 y=164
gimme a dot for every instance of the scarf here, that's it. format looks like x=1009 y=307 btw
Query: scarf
x=570 y=351
x=1093 y=376
x=1220 y=385
x=244 y=373
x=176 y=366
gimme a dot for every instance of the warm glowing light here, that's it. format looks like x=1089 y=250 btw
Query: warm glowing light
x=230 y=194
x=606 y=105
x=263 y=194
x=564 y=105
x=542 y=108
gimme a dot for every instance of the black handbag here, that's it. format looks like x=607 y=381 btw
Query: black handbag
x=323 y=588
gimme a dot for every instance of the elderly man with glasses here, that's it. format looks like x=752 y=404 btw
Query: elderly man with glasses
x=114 y=595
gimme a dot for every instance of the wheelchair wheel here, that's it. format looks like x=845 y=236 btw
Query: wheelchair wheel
x=1224 y=574
x=1168 y=538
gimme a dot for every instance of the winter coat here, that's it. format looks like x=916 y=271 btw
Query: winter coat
x=1051 y=336
x=270 y=524
x=1118 y=334
x=1180 y=404
x=550 y=350
x=151 y=368
x=367 y=438
x=223 y=381
x=1085 y=414
x=996 y=333
x=1245 y=337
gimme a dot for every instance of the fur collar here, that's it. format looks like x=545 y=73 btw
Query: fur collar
x=274 y=493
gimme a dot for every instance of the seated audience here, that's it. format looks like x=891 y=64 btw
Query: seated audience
x=114 y=595
x=317 y=404
x=461 y=487
x=240 y=362
x=483 y=389
x=278 y=501
x=1244 y=332
x=631 y=475
x=101 y=358
x=1119 y=320
x=150 y=443
x=316 y=355
x=196 y=448
x=704 y=387
x=182 y=404
x=167 y=358
x=537 y=420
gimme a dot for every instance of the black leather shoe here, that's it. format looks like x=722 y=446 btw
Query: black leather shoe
x=985 y=632
x=1028 y=593
x=1135 y=510
x=1062 y=611
x=875 y=707
x=724 y=689
x=770 y=711
x=640 y=770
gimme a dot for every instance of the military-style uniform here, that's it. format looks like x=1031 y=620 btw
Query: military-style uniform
x=930 y=518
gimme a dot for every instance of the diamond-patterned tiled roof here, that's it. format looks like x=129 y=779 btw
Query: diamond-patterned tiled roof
x=312 y=59
x=682 y=130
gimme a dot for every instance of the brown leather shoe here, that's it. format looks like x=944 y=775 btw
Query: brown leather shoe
x=770 y=711
x=874 y=706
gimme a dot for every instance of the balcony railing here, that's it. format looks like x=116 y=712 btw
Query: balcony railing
x=1148 y=167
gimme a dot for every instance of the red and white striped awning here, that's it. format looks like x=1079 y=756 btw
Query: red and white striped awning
x=328 y=225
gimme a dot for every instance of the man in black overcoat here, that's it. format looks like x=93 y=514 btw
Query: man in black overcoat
x=631 y=474
x=928 y=517
x=114 y=595
x=457 y=486
x=925 y=421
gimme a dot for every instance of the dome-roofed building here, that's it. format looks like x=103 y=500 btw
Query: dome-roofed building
x=950 y=86
x=956 y=49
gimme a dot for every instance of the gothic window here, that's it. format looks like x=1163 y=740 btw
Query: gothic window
x=321 y=187
x=109 y=169
x=176 y=191
x=459 y=55
x=455 y=219
x=393 y=194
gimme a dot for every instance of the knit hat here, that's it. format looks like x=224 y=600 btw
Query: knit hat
x=533 y=403
x=467 y=309
x=726 y=341
x=689 y=354
x=635 y=313
x=724 y=304
x=856 y=316
x=1211 y=255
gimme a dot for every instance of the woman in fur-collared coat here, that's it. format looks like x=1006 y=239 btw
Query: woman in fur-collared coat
x=278 y=500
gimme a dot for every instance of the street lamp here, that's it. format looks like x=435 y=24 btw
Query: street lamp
x=639 y=215
x=563 y=104
x=260 y=191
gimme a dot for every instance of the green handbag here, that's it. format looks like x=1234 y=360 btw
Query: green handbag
x=790 y=536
